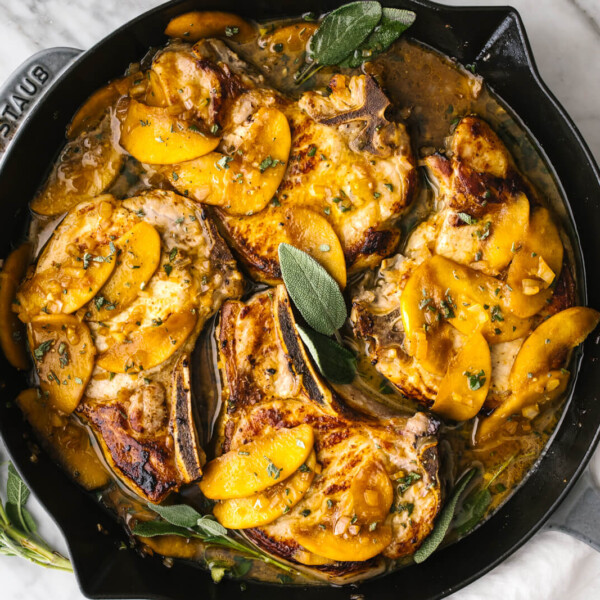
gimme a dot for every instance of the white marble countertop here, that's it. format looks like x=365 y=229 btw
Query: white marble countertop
x=565 y=36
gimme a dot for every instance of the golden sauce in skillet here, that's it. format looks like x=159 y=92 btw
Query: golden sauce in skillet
x=430 y=92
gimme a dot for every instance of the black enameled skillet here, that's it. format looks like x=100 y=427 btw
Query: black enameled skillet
x=36 y=105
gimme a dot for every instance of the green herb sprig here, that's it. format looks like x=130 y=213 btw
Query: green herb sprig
x=442 y=524
x=184 y=521
x=352 y=34
x=318 y=298
x=18 y=535
x=477 y=502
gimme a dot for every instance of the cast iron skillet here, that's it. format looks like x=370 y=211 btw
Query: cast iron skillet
x=491 y=38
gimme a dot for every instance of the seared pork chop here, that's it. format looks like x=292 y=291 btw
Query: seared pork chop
x=269 y=383
x=348 y=164
x=502 y=257
x=142 y=414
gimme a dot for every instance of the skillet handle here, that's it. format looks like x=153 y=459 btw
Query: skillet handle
x=26 y=85
x=579 y=513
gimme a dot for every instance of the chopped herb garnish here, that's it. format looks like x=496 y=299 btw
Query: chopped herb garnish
x=272 y=470
x=405 y=482
x=466 y=218
x=476 y=380
x=41 y=350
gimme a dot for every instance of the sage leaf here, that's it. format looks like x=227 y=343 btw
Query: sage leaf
x=474 y=509
x=315 y=293
x=336 y=363
x=394 y=22
x=342 y=31
x=209 y=526
x=17 y=527
x=436 y=537
x=181 y=515
x=17 y=492
x=154 y=528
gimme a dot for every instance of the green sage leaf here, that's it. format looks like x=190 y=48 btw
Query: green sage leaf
x=181 y=515
x=342 y=31
x=315 y=293
x=17 y=492
x=474 y=509
x=436 y=537
x=394 y=22
x=209 y=526
x=336 y=363
x=154 y=528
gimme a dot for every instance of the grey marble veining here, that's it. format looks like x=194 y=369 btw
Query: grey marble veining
x=565 y=37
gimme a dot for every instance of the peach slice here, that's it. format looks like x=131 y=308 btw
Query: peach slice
x=88 y=165
x=266 y=506
x=535 y=266
x=312 y=233
x=12 y=332
x=488 y=244
x=245 y=182
x=196 y=25
x=344 y=547
x=372 y=493
x=154 y=136
x=66 y=286
x=67 y=441
x=138 y=256
x=289 y=38
x=63 y=352
x=441 y=290
x=463 y=389
x=94 y=108
x=147 y=347
x=258 y=465
x=537 y=375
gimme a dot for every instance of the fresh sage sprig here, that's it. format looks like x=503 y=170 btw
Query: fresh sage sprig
x=18 y=535
x=318 y=298
x=352 y=34
x=442 y=524
x=335 y=362
x=477 y=502
x=314 y=291
x=184 y=521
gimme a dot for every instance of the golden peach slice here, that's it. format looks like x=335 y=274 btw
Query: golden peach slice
x=289 y=38
x=537 y=375
x=266 y=506
x=67 y=441
x=548 y=346
x=344 y=547
x=487 y=244
x=535 y=266
x=149 y=346
x=88 y=165
x=153 y=135
x=312 y=233
x=65 y=287
x=138 y=257
x=94 y=108
x=63 y=353
x=12 y=332
x=441 y=290
x=372 y=493
x=258 y=465
x=196 y=25
x=245 y=182
x=463 y=390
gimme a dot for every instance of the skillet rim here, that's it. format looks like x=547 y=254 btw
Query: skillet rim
x=87 y=585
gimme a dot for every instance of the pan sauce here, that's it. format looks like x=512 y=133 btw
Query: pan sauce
x=430 y=93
